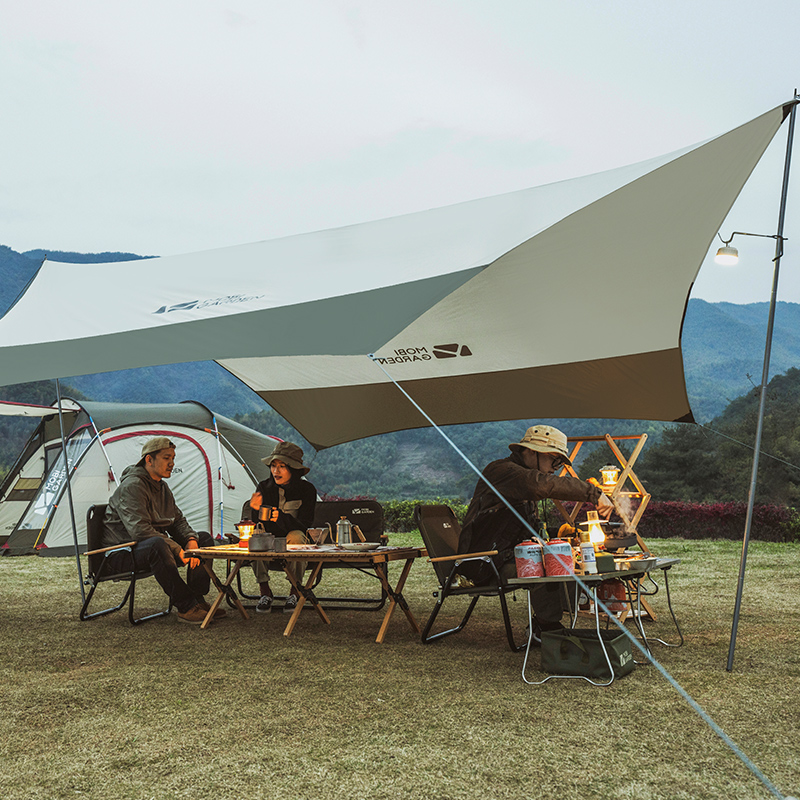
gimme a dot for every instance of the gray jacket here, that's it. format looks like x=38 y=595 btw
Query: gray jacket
x=140 y=508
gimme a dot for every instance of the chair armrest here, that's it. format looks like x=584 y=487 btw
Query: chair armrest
x=107 y=549
x=464 y=556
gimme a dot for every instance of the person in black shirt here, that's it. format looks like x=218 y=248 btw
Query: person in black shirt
x=292 y=500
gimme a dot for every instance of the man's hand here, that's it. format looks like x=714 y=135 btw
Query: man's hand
x=256 y=501
x=192 y=562
x=604 y=506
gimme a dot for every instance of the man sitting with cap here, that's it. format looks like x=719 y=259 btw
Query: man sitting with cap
x=523 y=478
x=143 y=509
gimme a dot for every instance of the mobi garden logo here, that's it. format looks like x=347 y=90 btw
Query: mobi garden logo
x=405 y=355
x=214 y=301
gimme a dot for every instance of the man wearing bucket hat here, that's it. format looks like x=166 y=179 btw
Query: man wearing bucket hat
x=290 y=502
x=143 y=509
x=523 y=479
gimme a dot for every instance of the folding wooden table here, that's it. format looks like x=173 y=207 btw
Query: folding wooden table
x=316 y=557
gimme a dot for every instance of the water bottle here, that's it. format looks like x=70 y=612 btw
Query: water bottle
x=344 y=531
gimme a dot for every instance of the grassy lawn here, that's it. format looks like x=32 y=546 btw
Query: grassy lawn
x=99 y=709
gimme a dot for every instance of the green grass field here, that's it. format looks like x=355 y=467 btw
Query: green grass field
x=99 y=709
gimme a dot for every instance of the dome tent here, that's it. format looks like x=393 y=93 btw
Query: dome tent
x=217 y=465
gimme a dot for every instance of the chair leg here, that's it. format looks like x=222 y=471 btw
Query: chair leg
x=516 y=648
x=140 y=620
x=427 y=638
x=84 y=616
x=95 y=581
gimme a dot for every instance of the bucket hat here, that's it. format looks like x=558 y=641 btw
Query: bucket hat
x=290 y=454
x=544 y=439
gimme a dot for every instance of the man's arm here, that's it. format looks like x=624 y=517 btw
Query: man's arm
x=516 y=482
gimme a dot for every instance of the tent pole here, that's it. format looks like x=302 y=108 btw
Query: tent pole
x=103 y=448
x=221 y=482
x=748 y=523
x=69 y=489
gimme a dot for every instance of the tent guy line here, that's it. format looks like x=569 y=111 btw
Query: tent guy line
x=694 y=705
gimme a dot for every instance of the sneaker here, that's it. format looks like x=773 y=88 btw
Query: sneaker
x=264 y=604
x=290 y=605
x=218 y=614
x=194 y=616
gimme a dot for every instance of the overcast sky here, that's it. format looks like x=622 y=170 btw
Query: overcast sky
x=170 y=126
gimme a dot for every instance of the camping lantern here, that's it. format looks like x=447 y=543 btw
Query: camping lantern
x=245 y=528
x=609 y=474
x=596 y=535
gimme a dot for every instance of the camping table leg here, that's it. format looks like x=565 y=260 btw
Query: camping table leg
x=224 y=589
x=304 y=593
x=397 y=598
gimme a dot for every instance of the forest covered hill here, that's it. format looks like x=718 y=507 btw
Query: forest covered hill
x=722 y=344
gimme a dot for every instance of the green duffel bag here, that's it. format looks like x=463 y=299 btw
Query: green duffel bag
x=578 y=652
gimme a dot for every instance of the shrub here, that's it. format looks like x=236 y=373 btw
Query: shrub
x=399 y=514
x=667 y=519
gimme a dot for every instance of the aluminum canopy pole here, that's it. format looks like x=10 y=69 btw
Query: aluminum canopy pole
x=69 y=489
x=748 y=523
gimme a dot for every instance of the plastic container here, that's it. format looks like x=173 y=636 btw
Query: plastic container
x=558 y=558
x=588 y=558
x=528 y=556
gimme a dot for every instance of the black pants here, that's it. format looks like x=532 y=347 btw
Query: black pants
x=154 y=555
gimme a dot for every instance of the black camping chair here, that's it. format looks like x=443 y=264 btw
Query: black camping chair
x=99 y=572
x=440 y=532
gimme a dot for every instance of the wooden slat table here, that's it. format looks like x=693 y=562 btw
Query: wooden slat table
x=316 y=557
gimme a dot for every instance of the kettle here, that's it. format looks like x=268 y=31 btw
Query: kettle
x=261 y=541
x=344 y=531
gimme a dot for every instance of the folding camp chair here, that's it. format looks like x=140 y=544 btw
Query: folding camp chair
x=99 y=572
x=440 y=532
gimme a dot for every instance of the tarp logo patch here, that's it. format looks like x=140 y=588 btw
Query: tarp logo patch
x=214 y=301
x=451 y=350
x=404 y=355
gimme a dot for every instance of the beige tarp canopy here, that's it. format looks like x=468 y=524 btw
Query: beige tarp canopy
x=492 y=309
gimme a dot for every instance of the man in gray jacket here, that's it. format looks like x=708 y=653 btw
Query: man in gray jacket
x=143 y=509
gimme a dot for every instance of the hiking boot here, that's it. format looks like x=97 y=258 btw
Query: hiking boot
x=264 y=604
x=290 y=605
x=220 y=613
x=194 y=616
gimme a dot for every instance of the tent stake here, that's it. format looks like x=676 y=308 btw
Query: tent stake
x=748 y=522
x=69 y=490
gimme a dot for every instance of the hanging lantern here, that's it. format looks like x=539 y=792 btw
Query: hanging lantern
x=610 y=475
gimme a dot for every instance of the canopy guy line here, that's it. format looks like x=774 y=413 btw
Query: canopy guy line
x=751 y=448
x=735 y=749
